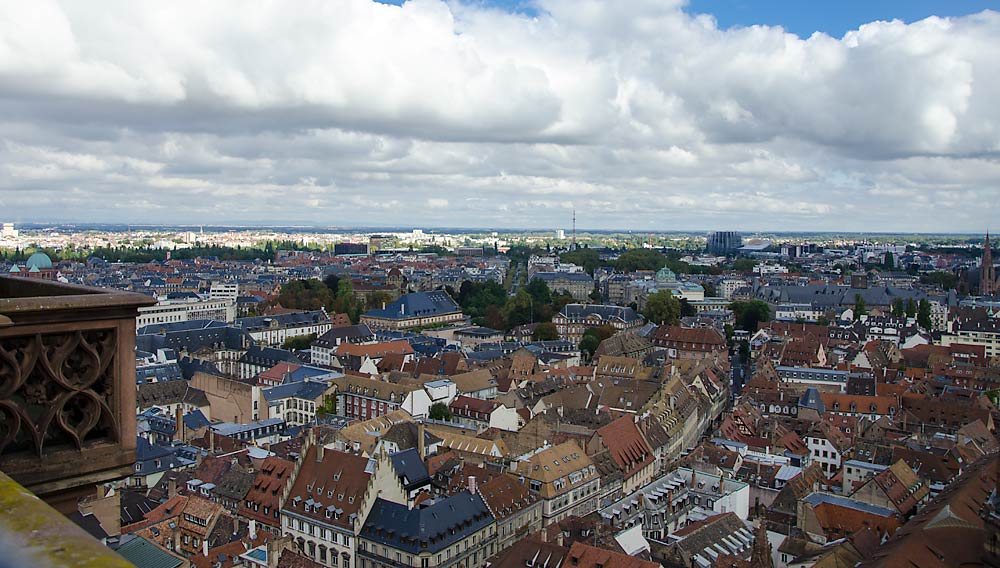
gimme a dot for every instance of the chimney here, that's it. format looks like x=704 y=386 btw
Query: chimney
x=171 y=488
x=211 y=441
x=472 y=484
x=179 y=424
x=253 y=529
x=204 y=547
x=320 y=452
x=420 y=440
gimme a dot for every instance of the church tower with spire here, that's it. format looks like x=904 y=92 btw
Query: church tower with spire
x=987 y=273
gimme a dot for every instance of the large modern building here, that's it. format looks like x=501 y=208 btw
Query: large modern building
x=724 y=242
x=187 y=309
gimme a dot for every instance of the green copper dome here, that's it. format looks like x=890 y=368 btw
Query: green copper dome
x=39 y=260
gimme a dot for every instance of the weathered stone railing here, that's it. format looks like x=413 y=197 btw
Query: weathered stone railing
x=34 y=534
x=67 y=386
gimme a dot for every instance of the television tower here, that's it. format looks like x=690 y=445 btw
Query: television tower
x=574 y=229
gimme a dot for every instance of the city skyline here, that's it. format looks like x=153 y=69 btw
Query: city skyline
x=651 y=116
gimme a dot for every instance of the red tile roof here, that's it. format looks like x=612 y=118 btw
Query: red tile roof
x=585 y=556
x=339 y=480
x=626 y=444
x=265 y=492
x=374 y=350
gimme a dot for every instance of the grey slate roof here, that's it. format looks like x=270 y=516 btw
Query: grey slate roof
x=402 y=528
x=191 y=336
x=569 y=276
x=88 y=523
x=147 y=454
x=306 y=389
x=829 y=296
x=410 y=468
x=811 y=399
x=293 y=319
x=195 y=419
x=349 y=333
x=404 y=435
x=269 y=356
x=418 y=304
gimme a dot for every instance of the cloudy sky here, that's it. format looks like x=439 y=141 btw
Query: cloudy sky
x=641 y=114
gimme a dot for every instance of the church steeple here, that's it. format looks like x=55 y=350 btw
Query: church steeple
x=987 y=273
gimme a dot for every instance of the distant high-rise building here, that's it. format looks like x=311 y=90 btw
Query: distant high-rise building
x=350 y=248
x=560 y=234
x=378 y=242
x=8 y=231
x=724 y=242
x=987 y=273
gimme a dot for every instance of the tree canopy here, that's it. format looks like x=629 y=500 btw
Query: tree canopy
x=440 y=411
x=750 y=314
x=545 y=331
x=305 y=295
x=924 y=315
x=640 y=259
x=662 y=308
x=946 y=280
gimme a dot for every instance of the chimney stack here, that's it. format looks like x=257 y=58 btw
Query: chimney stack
x=204 y=547
x=420 y=440
x=253 y=529
x=320 y=452
x=179 y=424
x=472 y=484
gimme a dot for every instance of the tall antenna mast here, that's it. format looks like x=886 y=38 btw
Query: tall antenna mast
x=574 y=228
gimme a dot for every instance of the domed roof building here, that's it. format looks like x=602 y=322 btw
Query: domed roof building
x=39 y=260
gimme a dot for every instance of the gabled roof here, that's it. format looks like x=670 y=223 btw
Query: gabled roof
x=473 y=381
x=265 y=490
x=471 y=407
x=582 y=555
x=626 y=444
x=337 y=483
x=410 y=468
x=948 y=531
x=506 y=496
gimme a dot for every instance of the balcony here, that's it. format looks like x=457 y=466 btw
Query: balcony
x=67 y=387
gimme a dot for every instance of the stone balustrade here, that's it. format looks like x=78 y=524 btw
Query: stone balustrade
x=67 y=386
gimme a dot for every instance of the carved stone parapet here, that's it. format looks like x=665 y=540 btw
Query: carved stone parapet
x=67 y=384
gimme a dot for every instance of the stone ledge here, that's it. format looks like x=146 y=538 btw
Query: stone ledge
x=34 y=534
